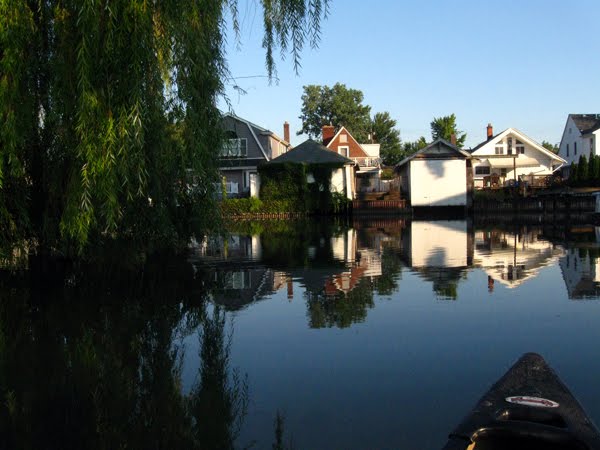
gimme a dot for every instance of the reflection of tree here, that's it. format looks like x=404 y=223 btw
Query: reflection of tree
x=218 y=404
x=391 y=270
x=90 y=360
x=341 y=310
x=444 y=279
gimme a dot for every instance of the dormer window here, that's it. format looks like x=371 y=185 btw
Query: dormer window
x=520 y=147
x=235 y=148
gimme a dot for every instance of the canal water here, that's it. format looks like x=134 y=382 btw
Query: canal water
x=307 y=335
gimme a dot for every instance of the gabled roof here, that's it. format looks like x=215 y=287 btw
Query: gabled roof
x=437 y=149
x=254 y=129
x=586 y=123
x=522 y=137
x=311 y=152
x=350 y=136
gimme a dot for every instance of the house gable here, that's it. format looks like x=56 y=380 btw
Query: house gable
x=531 y=148
x=343 y=139
x=249 y=131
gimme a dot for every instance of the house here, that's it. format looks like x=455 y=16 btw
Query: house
x=312 y=153
x=581 y=136
x=437 y=175
x=246 y=146
x=509 y=157
x=366 y=157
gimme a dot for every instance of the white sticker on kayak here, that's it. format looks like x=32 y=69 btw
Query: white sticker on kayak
x=532 y=401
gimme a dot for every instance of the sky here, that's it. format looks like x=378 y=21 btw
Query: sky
x=522 y=64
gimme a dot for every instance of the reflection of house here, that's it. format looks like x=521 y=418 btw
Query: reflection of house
x=581 y=271
x=437 y=244
x=366 y=157
x=512 y=258
x=581 y=136
x=437 y=175
x=246 y=146
x=511 y=156
x=439 y=252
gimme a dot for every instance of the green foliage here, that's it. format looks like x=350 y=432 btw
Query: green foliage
x=574 y=175
x=582 y=171
x=338 y=106
x=244 y=206
x=411 y=148
x=287 y=182
x=552 y=147
x=105 y=110
x=385 y=133
x=388 y=174
x=445 y=127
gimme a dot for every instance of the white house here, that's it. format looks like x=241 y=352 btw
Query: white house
x=437 y=175
x=581 y=136
x=511 y=156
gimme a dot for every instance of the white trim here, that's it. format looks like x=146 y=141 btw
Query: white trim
x=350 y=136
x=522 y=137
x=257 y=141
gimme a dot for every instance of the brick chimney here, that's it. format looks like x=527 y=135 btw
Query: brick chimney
x=453 y=139
x=328 y=133
x=286 y=132
x=490 y=131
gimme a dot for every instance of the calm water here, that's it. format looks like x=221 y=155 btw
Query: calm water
x=371 y=334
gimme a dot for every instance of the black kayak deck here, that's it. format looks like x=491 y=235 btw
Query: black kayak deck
x=541 y=413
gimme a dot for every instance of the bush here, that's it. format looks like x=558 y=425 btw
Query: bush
x=243 y=206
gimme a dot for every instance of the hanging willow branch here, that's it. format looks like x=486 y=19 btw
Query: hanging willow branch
x=108 y=117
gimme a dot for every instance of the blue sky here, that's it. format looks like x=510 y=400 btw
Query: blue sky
x=523 y=64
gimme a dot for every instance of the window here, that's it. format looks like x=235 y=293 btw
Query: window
x=344 y=151
x=502 y=172
x=482 y=170
x=574 y=148
x=235 y=148
x=509 y=145
x=499 y=150
x=520 y=147
x=343 y=138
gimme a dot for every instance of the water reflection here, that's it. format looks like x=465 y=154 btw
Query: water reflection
x=93 y=360
x=340 y=266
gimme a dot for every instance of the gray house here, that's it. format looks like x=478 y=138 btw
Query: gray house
x=247 y=145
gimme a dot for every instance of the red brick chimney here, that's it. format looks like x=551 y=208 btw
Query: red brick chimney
x=328 y=133
x=453 y=139
x=490 y=131
x=286 y=132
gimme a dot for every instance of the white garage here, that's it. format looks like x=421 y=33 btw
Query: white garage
x=438 y=175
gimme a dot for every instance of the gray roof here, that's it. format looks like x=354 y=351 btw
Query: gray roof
x=438 y=148
x=586 y=123
x=311 y=152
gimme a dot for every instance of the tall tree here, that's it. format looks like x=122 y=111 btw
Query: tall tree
x=445 y=127
x=338 y=106
x=105 y=106
x=385 y=133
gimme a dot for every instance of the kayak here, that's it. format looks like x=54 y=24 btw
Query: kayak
x=528 y=408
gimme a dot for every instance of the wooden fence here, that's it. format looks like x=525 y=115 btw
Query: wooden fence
x=379 y=206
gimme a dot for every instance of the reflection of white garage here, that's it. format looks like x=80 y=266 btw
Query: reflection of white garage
x=438 y=175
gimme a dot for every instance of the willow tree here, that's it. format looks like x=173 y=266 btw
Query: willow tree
x=108 y=117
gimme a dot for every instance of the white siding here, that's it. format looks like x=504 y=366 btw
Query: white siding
x=571 y=135
x=438 y=182
x=439 y=244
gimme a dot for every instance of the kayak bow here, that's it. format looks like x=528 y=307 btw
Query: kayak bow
x=529 y=407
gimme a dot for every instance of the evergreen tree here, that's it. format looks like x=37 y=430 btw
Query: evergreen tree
x=595 y=171
x=582 y=171
x=573 y=175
